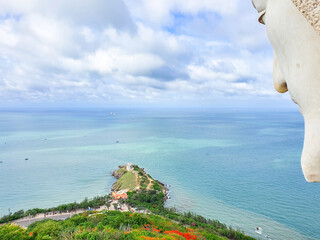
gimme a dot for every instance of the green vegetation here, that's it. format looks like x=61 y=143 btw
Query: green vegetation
x=159 y=223
x=124 y=225
x=93 y=203
x=127 y=180
x=152 y=200
x=156 y=186
x=137 y=169
x=12 y=232
x=135 y=178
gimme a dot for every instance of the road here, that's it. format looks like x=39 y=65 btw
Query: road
x=26 y=221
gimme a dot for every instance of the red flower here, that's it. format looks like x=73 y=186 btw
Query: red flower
x=156 y=230
x=187 y=236
x=30 y=234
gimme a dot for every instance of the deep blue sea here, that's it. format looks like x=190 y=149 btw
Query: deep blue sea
x=240 y=167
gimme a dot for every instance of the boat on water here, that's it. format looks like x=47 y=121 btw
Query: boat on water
x=26 y=159
x=258 y=230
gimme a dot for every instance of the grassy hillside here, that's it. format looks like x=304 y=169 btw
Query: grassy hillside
x=149 y=197
x=127 y=181
x=123 y=225
x=136 y=178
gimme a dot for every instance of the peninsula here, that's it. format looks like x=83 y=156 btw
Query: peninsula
x=133 y=210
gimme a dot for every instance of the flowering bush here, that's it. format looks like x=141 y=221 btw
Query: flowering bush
x=11 y=231
x=187 y=236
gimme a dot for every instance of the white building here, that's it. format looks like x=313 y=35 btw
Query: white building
x=129 y=167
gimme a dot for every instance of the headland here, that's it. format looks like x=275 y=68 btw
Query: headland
x=133 y=210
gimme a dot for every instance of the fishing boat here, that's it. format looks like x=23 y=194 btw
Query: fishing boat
x=258 y=230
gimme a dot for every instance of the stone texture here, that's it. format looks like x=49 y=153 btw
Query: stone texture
x=311 y=10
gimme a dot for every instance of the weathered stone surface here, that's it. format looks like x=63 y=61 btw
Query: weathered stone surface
x=293 y=28
x=311 y=11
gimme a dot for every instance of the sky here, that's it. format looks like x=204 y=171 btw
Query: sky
x=125 y=53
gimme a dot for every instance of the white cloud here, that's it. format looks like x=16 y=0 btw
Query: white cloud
x=122 y=51
x=117 y=60
x=7 y=37
x=160 y=12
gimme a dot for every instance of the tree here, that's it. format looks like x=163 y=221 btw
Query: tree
x=115 y=206
x=48 y=229
x=108 y=205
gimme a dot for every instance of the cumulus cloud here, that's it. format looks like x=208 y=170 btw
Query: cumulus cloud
x=132 y=51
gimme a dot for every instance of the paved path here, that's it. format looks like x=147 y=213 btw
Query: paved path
x=150 y=184
x=26 y=221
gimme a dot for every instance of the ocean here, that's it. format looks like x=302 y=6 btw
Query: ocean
x=241 y=167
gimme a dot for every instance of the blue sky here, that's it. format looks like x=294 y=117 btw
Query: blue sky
x=154 y=53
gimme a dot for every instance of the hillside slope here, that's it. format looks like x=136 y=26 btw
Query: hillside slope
x=141 y=215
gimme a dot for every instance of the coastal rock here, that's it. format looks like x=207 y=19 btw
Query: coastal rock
x=118 y=173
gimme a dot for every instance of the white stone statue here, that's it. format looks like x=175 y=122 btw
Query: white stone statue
x=293 y=28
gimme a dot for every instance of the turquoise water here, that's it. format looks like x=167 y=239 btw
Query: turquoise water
x=240 y=167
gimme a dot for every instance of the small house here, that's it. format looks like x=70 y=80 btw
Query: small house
x=122 y=194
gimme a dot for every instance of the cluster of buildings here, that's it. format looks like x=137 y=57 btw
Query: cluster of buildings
x=122 y=194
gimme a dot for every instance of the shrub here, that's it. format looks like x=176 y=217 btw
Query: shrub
x=12 y=232
x=48 y=229
x=11 y=217
x=35 y=224
x=156 y=186
x=95 y=219
x=78 y=219
x=152 y=199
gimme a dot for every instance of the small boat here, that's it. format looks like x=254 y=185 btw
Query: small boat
x=26 y=159
x=258 y=230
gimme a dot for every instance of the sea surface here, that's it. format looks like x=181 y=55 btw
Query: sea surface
x=238 y=166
